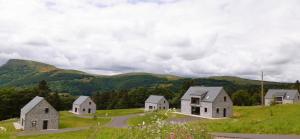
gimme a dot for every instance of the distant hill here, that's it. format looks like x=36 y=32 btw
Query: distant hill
x=25 y=73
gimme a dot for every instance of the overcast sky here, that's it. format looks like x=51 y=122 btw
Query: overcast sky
x=183 y=37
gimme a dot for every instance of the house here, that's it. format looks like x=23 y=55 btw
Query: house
x=38 y=114
x=155 y=102
x=282 y=96
x=84 y=105
x=206 y=102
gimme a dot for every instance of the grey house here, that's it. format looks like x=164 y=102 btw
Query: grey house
x=155 y=102
x=38 y=114
x=282 y=96
x=207 y=102
x=84 y=105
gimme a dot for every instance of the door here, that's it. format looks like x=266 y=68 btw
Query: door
x=224 y=112
x=75 y=109
x=195 y=110
x=45 y=124
x=89 y=110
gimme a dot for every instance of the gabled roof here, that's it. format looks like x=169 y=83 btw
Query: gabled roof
x=154 y=99
x=208 y=94
x=80 y=100
x=285 y=93
x=31 y=104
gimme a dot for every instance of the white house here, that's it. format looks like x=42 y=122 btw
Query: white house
x=155 y=102
x=282 y=96
x=84 y=105
x=38 y=114
x=206 y=102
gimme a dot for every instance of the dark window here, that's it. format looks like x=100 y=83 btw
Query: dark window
x=83 y=110
x=150 y=107
x=164 y=101
x=217 y=110
x=90 y=103
x=164 y=107
x=205 y=109
x=225 y=99
x=33 y=123
x=46 y=110
x=22 y=121
x=195 y=110
x=195 y=100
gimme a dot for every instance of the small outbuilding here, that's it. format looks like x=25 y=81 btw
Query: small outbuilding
x=155 y=102
x=38 y=114
x=282 y=96
x=84 y=105
x=206 y=102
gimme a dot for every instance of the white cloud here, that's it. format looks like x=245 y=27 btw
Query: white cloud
x=183 y=37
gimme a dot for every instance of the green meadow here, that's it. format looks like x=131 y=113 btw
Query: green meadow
x=278 y=119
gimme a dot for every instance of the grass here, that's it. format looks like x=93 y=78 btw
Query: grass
x=151 y=117
x=69 y=120
x=279 y=119
x=118 y=112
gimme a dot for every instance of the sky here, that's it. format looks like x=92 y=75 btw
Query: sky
x=192 y=38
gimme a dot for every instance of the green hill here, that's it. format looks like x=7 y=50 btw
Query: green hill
x=25 y=73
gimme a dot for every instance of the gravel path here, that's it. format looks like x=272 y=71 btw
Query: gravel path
x=253 y=136
x=121 y=121
x=54 y=131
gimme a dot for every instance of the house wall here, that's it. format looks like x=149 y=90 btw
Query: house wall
x=85 y=106
x=268 y=101
x=163 y=104
x=154 y=106
x=220 y=104
x=38 y=114
x=185 y=106
x=207 y=105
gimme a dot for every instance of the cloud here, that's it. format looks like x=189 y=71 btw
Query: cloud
x=183 y=37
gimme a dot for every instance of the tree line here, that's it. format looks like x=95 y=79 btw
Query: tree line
x=13 y=99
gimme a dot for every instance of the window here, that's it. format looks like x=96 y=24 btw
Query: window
x=46 y=110
x=195 y=100
x=164 y=101
x=90 y=103
x=225 y=99
x=150 y=107
x=164 y=107
x=22 y=121
x=83 y=110
x=205 y=109
x=33 y=123
x=217 y=110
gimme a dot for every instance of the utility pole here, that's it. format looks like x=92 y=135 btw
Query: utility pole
x=262 y=88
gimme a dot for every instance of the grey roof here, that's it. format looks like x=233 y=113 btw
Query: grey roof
x=31 y=104
x=80 y=100
x=154 y=99
x=285 y=93
x=208 y=94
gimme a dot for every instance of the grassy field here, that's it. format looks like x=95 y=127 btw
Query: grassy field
x=279 y=119
x=151 y=117
x=118 y=112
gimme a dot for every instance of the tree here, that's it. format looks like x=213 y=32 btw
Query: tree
x=241 y=98
x=43 y=89
x=54 y=100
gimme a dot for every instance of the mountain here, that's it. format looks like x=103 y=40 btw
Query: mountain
x=25 y=73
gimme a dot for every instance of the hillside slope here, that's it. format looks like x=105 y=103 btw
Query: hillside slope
x=25 y=73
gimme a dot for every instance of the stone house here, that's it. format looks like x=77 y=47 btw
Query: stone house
x=282 y=96
x=155 y=102
x=84 y=105
x=206 y=102
x=38 y=114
